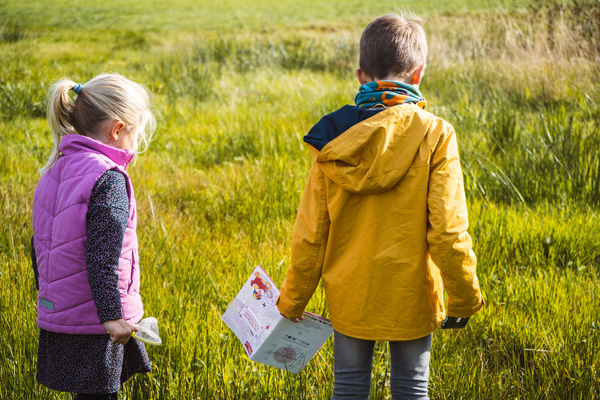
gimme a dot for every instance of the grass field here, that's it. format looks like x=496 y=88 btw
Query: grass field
x=236 y=87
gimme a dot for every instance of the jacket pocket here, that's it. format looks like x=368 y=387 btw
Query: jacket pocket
x=134 y=279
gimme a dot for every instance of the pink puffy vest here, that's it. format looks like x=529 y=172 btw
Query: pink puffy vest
x=60 y=205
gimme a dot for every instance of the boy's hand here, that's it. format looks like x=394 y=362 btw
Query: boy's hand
x=293 y=319
x=120 y=330
x=455 y=323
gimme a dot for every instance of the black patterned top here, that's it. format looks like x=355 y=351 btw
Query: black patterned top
x=93 y=363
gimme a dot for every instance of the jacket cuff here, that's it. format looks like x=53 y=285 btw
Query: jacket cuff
x=286 y=306
x=463 y=312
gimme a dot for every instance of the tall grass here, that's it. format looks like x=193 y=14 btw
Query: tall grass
x=219 y=187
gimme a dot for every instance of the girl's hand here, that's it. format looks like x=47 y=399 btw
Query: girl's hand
x=120 y=330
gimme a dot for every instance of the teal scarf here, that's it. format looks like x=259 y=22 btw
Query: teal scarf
x=388 y=93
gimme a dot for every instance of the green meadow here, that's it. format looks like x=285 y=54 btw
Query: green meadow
x=236 y=86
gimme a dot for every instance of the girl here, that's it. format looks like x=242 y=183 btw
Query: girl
x=84 y=245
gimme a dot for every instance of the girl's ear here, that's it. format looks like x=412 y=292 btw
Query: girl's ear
x=117 y=131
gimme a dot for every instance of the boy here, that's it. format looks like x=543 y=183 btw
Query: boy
x=383 y=220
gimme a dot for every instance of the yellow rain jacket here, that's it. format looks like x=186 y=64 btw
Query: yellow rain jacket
x=383 y=222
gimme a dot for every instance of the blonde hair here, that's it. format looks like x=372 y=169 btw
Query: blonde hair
x=105 y=97
x=393 y=45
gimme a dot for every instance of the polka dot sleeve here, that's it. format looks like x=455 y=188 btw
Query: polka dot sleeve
x=107 y=217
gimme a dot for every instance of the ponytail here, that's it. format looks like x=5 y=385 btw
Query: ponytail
x=59 y=106
x=106 y=96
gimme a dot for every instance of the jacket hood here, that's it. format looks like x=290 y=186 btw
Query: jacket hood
x=373 y=155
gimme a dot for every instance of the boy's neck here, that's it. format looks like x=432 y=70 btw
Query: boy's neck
x=414 y=78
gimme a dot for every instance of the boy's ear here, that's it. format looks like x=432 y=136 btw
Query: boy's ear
x=417 y=75
x=363 y=77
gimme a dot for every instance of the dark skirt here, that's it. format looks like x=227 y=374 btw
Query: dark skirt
x=88 y=363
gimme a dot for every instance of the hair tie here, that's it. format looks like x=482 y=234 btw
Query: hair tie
x=77 y=88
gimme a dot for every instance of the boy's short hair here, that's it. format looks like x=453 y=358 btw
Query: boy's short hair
x=392 y=45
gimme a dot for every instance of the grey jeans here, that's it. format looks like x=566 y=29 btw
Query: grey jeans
x=353 y=364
